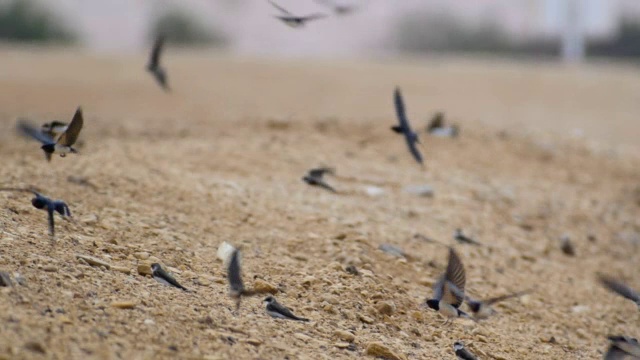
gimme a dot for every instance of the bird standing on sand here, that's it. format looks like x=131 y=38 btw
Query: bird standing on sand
x=462 y=353
x=63 y=145
x=448 y=292
x=276 y=310
x=44 y=203
x=154 y=67
x=622 y=348
x=293 y=20
x=620 y=288
x=404 y=128
x=163 y=277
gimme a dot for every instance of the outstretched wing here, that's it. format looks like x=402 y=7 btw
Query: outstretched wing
x=619 y=288
x=234 y=274
x=413 y=148
x=154 y=59
x=497 y=299
x=313 y=17
x=61 y=208
x=280 y=8
x=436 y=122
x=455 y=273
x=70 y=136
x=27 y=129
x=400 y=110
x=319 y=172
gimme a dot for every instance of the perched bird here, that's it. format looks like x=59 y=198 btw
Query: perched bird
x=464 y=239
x=65 y=141
x=338 y=9
x=154 y=66
x=619 y=288
x=481 y=309
x=462 y=353
x=163 y=277
x=448 y=292
x=44 y=203
x=315 y=178
x=437 y=127
x=293 y=20
x=54 y=128
x=234 y=276
x=276 y=310
x=622 y=347
x=404 y=127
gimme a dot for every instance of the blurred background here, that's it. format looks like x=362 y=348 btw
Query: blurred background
x=571 y=30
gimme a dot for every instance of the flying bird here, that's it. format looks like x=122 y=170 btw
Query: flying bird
x=276 y=310
x=234 y=276
x=620 y=288
x=464 y=239
x=462 y=353
x=404 y=127
x=338 y=9
x=622 y=348
x=481 y=309
x=315 y=177
x=44 y=203
x=448 y=292
x=437 y=127
x=294 y=21
x=154 y=67
x=64 y=143
x=163 y=277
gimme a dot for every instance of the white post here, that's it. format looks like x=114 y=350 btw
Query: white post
x=573 y=39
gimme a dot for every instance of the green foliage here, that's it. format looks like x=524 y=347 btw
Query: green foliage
x=181 y=28
x=24 y=21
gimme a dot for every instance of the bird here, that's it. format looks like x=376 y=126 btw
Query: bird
x=234 y=276
x=448 y=292
x=620 y=288
x=464 y=239
x=54 y=128
x=481 y=309
x=292 y=20
x=437 y=127
x=338 y=9
x=404 y=127
x=315 y=178
x=154 y=67
x=64 y=143
x=44 y=203
x=461 y=352
x=276 y=310
x=622 y=347
x=163 y=277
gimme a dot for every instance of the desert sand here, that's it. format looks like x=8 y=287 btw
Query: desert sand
x=545 y=151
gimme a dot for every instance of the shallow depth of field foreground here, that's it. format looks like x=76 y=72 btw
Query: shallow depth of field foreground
x=545 y=151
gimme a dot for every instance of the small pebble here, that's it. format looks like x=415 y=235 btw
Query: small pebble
x=123 y=304
x=378 y=350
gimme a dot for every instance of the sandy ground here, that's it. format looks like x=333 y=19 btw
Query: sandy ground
x=220 y=159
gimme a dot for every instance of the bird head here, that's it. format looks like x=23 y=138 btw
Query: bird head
x=155 y=267
x=268 y=300
x=38 y=202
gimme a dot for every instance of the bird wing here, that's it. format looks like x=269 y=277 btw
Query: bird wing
x=154 y=59
x=451 y=294
x=497 y=299
x=619 y=288
x=51 y=221
x=436 y=122
x=438 y=288
x=413 y=148
x=313 y=17
x=61 y=208
x=455 y=273
x=325 y=186
x=168 y=278
x=319 y=172
x=280 y=8
x=400 y=110
x=234 y=274
x=27 y=129
x=70 y=136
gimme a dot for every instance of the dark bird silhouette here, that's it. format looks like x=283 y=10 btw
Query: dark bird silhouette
x=292 y=20
x=154 y=66
x=315 y=177
x=44 y=203
x=620 y=288
x=234 y=276
x=437 y=127
x=163 y=277
x=462 y=353
x=404 y=127
x=448 y=292
x=277 y=310
x=338 y=9
x=481 y=309
x=622 y=348
x=464 y=239
x=65 y=141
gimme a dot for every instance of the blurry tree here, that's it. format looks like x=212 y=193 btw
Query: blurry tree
x=182 y=28
x=625 y=45
x=25 y=20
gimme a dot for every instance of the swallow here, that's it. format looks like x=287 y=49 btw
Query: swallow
x=234 y=276
x=481 y=309
x=461 y=352
x=622 y=347
x=315 y=178
x=448 y=292
x=619 y=288
x=463 y=239
x=338 y=9
x=404 y=127
x=163 y=277
x=437 y=127
x=54 y=128
x=276 y=310
x=64 y=144
x=293 y=20
x=154 y=67
x=44 y=203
